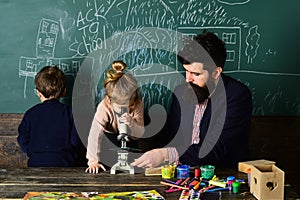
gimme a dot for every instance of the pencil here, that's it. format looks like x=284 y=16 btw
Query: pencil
x=173 y=185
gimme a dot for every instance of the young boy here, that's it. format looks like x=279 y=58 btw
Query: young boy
x=47 y=132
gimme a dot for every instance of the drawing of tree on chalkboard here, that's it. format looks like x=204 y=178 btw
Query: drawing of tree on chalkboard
x=252 y=44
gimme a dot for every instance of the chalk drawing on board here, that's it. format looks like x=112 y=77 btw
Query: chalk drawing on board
x=89 y=26
x=89 y=23
x=274 y=100
x=140 y=49
x=66 y=24
x=252 y=39
x=234 y=2
x=45 y=47
x=46 y=38
x=231 y=37
x=271 y=52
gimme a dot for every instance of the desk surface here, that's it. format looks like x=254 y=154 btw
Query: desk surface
x=16 y=182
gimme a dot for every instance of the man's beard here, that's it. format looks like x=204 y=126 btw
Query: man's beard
x=195 y=94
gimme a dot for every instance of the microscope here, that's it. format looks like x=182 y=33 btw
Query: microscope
x=122 y=164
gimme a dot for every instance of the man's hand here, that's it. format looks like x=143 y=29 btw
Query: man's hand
x=152 y=158
x=94 y=168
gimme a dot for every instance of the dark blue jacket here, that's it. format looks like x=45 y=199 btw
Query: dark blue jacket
x=224 y=128
x=48 y=135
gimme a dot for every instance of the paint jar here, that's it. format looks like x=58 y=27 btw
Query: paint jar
x=207 y=171
x=167 y=171
x=236 y=187
x=183 y=171
x=230 y=180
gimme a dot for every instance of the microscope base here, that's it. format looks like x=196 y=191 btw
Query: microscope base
x=119 y=167
x=122 y=164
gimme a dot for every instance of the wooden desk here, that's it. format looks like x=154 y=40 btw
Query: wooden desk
x=16 y=182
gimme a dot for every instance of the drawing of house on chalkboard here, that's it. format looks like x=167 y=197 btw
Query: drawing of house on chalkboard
x=45 y=47
x=231 y=37
x=46 y=39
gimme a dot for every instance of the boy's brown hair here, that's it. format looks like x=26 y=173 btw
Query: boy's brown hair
x=51 y=82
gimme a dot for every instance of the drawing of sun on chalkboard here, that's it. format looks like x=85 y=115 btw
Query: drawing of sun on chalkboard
x=45 y=48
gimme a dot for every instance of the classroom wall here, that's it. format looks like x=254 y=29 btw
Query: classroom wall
x=261 y=38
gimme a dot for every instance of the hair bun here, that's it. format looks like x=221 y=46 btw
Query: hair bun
x=118 y=66
x=115 y=73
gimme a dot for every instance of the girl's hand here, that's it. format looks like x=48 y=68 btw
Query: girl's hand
x=94 y=168
x=126 y=119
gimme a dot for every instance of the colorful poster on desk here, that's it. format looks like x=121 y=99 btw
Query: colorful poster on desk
x=134 y=195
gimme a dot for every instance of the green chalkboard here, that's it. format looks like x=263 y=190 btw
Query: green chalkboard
x=262 y=39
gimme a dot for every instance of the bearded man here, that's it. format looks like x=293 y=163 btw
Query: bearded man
x=210 y=115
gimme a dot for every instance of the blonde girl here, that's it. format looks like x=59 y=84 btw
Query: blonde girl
x=122 y=91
